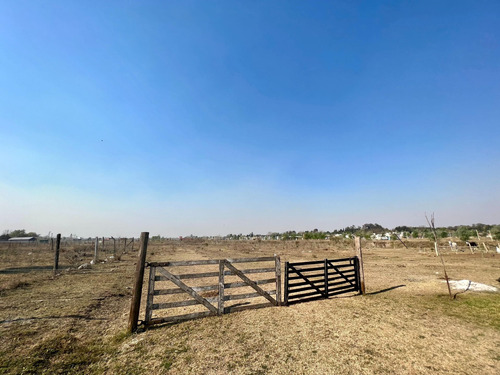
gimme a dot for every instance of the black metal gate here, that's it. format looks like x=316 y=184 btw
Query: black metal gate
x=306 y=281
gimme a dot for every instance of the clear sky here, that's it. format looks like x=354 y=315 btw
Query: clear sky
x=217 y=117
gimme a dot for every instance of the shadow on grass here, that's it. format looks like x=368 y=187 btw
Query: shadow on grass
x=50 y=317
x=28 y=269
x=385 y=290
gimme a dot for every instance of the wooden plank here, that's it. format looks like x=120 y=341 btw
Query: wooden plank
x=139 y=278
x=209 y=261
x=302 y=289
x=220 y=305
x=231 y=297
x=230 y=309
x=181 y=318
x=161 y=292
x=240 y=284
x=349 y=275
x=253 y=270
x=150 y=297
x=301 y=275
x=190 y=302
x=185 y=263
x=215 y=274
x=340 y=260
x=332 y=266
x=190 y=276
x=250 y=260
x=318 y=283
x=277 y=261
x=341 y=274
x=306 y=279
x=302 y=269
x=251 y=283
x=295 y=264
x=187 y=289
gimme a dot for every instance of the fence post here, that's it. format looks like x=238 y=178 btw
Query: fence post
x=277 y=262
x=151 y=290
x=124 y=245
x=221 y=287
x=139 y=278
x=96 y=249
x=56 y=255
x=285 y=301
x=326 y=278
x=359 y=254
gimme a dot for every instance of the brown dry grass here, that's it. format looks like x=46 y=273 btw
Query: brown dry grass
x=75 y=322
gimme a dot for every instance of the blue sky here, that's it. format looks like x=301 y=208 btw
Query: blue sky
x=216 y=117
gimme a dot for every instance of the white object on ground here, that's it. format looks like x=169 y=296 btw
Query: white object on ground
x=475 y=287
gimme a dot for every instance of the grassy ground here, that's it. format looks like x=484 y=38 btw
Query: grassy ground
x=75 y=322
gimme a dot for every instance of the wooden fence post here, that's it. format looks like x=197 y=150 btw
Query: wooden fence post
x=277 y=262
x=114 y=247
x=285 y=301
x=96 y=249
x=124 y=245
x=326 y=278
x=359 y=254
x=221 y=287
x=56 y=255
x=139 y=278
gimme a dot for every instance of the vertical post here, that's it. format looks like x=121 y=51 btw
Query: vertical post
x=285 y=301
x=124 y=245
x=359 y=254
x=132 y=244
x=114 y=247
x=277 y=262
x=56 y=255
x=103 y=248
x=96 y=249
x=356 y=274
x=151 y=292
x=139 y=278
x=221 y=286
x=326 y=278
x=51 y=244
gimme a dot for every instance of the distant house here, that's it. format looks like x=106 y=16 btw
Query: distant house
x=22 y=239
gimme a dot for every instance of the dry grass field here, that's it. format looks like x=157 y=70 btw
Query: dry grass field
x=76 y=321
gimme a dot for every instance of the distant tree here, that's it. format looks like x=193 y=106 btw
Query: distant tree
x=443 y=234
x=21 y=233
x=463 y=233
x=414 y=234
x=495 y=232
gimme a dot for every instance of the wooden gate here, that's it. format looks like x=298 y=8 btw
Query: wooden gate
x=212 y=294
x=320 y=279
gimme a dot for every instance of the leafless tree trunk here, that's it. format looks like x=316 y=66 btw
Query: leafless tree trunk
x=433 y=229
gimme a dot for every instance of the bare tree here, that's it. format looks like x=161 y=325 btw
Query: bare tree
x=433 y=229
